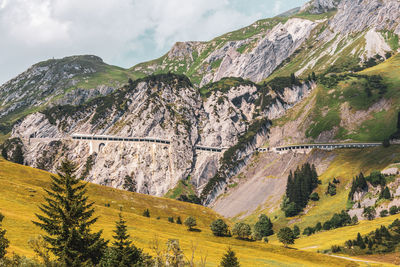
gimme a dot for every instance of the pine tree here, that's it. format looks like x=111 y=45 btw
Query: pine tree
x=178 y=220
x=67 y=219
x=125 y=253
x=229 y=259
x=313 y=76
x=385 y=194
x=360 y=241
x=4 y=243
x=146 y=213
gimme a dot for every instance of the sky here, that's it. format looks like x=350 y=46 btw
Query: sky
x=122 y=32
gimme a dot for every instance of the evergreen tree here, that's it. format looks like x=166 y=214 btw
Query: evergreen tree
x=67 y=219
x=299 y=187
x=229 y=259
x=385 y=194
x=331 y=189
x=286 y=236
x=263 y=227
x=313 y=76
x=360 y=241
x=125 y=253
x=4 y=243
x=178 y=220
x=146 y=213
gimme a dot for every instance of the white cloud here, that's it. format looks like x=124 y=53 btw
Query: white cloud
x=120 y=31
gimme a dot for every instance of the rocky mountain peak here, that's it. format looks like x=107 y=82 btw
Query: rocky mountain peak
x=320 y=6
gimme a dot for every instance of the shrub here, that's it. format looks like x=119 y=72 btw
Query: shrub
x=178 y=220
x=308 y=231
x=314 y=196
x=335 y=249
x=369 y=213
x=393 y=210
x=190 y=222
x=263 y=227
x=296 y=231
x=286 y=236
x=146 y=213
x=171 y=219
x=219 y=228
x=384 y=213
x=242 y=230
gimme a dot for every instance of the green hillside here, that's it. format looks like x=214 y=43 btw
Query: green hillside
x=359 y=106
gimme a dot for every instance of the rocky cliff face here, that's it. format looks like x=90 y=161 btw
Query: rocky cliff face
x=165 y=107
x=320 y=6
x=268 y=52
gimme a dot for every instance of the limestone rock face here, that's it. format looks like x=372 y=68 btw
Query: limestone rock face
x=277 y=45
x=319 y=6
x=164 y=107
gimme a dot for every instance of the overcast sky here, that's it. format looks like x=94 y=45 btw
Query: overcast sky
x=122 y=32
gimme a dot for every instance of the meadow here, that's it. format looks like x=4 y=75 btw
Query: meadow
x=21 y=191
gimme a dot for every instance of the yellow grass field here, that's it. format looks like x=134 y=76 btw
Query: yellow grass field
x=21 y=191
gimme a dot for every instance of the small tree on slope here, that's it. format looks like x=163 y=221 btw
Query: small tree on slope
x=67 y=219
x=286 y=236
x=263 y=227
x=229 y=259
x=125 y=252
x=4 y=243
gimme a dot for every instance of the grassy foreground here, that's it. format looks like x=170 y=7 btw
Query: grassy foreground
x=21 y=190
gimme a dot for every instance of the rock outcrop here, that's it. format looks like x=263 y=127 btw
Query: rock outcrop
x=164 y=107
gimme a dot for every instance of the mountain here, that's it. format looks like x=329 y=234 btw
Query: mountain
x=164 y=106
x=71 y=80
x=230 y=94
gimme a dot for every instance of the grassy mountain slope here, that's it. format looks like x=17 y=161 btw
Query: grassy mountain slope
x=21 y=191
x=344 y=164
x=342 y=109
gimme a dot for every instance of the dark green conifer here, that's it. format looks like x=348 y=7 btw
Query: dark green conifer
x=229 y=259
x=67 y=218
x=125 y=253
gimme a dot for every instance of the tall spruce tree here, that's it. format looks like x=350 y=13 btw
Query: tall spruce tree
x=229 y=259
x=67 y=218
x=125 y=253
x=4 y=243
